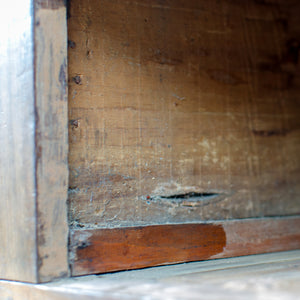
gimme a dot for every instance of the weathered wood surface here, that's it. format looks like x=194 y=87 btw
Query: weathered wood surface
x=183 y=111
x=17 y=144
x=267 y=276
x=33 y=141
x=105 y=250
x=51 y=138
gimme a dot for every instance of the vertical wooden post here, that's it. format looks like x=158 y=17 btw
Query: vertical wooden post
x=33 y=141
x=51 y=137
x=17 y=139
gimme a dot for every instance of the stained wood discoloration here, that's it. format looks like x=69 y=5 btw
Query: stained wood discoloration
x=105 y=250
x=178 y=97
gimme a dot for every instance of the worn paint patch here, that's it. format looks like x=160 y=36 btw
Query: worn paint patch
x=105 y=250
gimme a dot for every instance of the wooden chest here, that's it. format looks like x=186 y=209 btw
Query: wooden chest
x=141 y=133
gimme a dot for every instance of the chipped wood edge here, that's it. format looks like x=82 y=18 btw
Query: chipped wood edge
x=104 y=250
x=50 y=28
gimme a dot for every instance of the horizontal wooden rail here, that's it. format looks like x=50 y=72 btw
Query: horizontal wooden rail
x=106 y=250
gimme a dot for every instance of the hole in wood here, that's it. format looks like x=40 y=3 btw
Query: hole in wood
x=190 y=199
x=191 y=195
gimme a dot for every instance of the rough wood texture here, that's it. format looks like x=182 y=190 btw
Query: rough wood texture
x=266 y=276
x=17 y=145
x=51 y=138
x=183 y=111
x=105 y=250
x=33 y=139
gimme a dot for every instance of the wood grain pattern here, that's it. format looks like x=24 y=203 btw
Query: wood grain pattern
x=246 y=237
x=17 y=145
x=104 y=250
x=108 y=250
x=170 y=98
x=51 y=138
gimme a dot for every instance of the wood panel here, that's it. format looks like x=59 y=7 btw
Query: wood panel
x=105 y=250
x=183 y=111
x=33 y=139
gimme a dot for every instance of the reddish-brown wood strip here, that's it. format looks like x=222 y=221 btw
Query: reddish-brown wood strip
x=104 y=250
x=136 y=247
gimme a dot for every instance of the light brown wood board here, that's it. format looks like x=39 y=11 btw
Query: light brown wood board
x=171 y=98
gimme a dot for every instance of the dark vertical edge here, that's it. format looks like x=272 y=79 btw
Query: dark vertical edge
x=35 y=136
